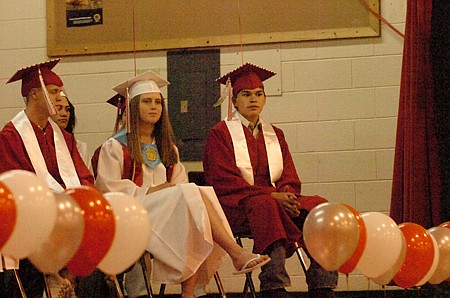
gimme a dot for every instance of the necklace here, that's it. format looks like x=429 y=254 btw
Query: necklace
x=42 y=128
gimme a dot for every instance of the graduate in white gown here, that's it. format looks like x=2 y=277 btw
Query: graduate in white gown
x=190 y=235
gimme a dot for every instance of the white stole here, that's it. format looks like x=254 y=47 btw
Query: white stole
x=66 y=167
x=273 y=148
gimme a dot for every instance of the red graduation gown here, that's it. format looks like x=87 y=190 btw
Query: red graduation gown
x=13 y=154
x=253 y=205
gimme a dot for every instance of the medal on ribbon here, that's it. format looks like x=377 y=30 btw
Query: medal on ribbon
x=151 y=153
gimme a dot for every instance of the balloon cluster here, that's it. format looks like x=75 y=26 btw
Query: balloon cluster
x=79 y=229
x=340 y=238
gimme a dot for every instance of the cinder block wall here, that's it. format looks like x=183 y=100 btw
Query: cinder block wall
x=335 y=100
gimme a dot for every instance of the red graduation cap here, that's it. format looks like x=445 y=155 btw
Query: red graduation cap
x=118 y=101
x=30 y=76
x=247 y=76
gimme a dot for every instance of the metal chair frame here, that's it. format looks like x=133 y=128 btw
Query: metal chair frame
x=249 y=285
x=198 y=177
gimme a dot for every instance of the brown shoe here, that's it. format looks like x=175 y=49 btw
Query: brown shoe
x=276 y=293
x=321 y=293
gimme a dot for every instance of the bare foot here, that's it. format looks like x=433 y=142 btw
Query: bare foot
x=245 y=257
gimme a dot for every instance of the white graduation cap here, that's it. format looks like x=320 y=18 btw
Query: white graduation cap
x=146 y=82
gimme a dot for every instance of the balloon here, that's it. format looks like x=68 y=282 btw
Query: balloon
x=442 y=236
x=383 y=246
x=419 y=255
x=8 y=214
x=132 y=233
x=99 y=229
x=387 y=277
x=64 y=239
x=433 y=265
x=445 y=224
x=350 y=264
x=36 y=212
x=331 y=234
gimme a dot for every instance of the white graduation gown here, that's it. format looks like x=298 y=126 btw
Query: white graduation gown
x=181 y=240
x=84 y=153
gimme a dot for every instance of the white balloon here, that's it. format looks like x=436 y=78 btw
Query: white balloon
x=383 y=247
x=434 y=265
x=387 y=277
x=442 y=237
x=132 y=233
x=36 y=212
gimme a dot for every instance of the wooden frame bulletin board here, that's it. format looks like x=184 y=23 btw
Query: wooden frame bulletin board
x=176 y=24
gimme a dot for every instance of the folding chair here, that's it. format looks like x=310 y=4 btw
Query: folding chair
x=239 y=235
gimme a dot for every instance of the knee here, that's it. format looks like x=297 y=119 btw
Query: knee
x=266 y=201
x=309 y=202
x=263 y=205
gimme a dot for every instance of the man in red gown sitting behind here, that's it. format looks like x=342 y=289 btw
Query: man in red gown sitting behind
x=248 y=162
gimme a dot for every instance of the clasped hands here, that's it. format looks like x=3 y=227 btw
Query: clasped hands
x=289 y=202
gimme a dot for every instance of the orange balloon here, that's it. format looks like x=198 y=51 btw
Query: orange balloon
x=445 y=224
x=8 y=214
x=99 y=230
x=351 y=263
x=419 y=255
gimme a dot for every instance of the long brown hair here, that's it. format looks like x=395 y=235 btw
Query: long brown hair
x=163 y=134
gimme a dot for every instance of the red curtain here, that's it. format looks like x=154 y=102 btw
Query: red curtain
x=416 y=189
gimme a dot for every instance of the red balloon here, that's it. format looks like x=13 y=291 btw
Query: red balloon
x=8 y=214
x=419 y=255
x=99 y=230
x=445 y=224
x=351 y=263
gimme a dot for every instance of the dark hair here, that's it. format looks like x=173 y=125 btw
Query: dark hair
x=72 y=119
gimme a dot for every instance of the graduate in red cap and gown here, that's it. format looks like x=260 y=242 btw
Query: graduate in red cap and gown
x=32 y=132
x=248 y=162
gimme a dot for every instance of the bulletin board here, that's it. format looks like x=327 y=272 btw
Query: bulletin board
x=143 y=25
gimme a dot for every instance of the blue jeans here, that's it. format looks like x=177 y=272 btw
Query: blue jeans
x=274 y=275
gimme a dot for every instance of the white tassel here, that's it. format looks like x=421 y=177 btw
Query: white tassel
x=222 y=97
x=50 y=105
x=127 y=111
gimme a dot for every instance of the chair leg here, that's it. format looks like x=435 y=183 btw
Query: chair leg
x=146 y=276
x=19 y=282
x=249 y=284
x=162 y=289
x=219 y=285
x=298 y=250
x=248 y=276
x=48 y=292
x=119 y=292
